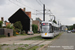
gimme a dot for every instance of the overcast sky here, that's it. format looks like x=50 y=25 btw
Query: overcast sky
x=64 y=10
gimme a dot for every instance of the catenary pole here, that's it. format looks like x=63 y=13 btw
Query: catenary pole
x=43 y=12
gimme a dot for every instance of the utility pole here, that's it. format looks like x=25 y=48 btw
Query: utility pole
x=43 y=12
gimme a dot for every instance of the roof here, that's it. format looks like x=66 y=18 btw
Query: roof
x=7 y=23
x=20 y=15
x=38 y=19
x=29 y=14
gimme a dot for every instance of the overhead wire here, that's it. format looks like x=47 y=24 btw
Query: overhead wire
x=22 y=5
x=48 y=11
x=14 y=3
x=39 y=3
x=42 y=2
x=26 y=5
x=46 y=5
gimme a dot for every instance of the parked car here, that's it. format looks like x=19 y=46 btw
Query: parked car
x=73 y=31
x=30 y=32
x=69 y=31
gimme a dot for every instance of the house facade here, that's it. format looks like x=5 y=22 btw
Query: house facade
x=38 y=23
x=24 y=17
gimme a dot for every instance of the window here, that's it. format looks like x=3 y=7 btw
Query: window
x=50 y=28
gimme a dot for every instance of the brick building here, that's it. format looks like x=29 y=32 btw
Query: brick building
x=29 y=15
x=5 y=23
x=24 y=17
x=38 y=23
x=5 y=31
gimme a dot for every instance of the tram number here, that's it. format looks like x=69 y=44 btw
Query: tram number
x=45 y=33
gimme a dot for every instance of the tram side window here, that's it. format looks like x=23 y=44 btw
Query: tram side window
x=56 y=29
x=51 y=28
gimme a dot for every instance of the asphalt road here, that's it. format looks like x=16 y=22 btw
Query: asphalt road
x=65 y=42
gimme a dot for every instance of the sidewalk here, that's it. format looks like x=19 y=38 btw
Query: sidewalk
x=16 y=38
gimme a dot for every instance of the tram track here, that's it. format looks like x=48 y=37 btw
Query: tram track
x=35 y=44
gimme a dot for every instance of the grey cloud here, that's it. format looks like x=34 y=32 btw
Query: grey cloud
x=2 y=2
x=64 y=10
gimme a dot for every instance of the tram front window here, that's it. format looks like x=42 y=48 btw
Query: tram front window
x=45 y=29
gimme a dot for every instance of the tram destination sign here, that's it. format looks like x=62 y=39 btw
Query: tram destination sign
x=45 y=24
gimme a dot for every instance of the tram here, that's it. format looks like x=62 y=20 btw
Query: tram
x=49 y=29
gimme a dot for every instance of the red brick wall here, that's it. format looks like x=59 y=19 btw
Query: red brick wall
x=7 y=23
x=29 y=14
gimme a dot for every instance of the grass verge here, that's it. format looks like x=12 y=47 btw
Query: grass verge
x=0 y=47
x=40 y=38
x=22 y=34
x=8 y=48
x=34 y=48
x=2 y=36
x=57 y=36
x=20 y=48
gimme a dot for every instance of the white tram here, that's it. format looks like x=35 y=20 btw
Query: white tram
x=49 y=29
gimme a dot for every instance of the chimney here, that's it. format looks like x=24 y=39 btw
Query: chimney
x=2 y=19
x=24 y=9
